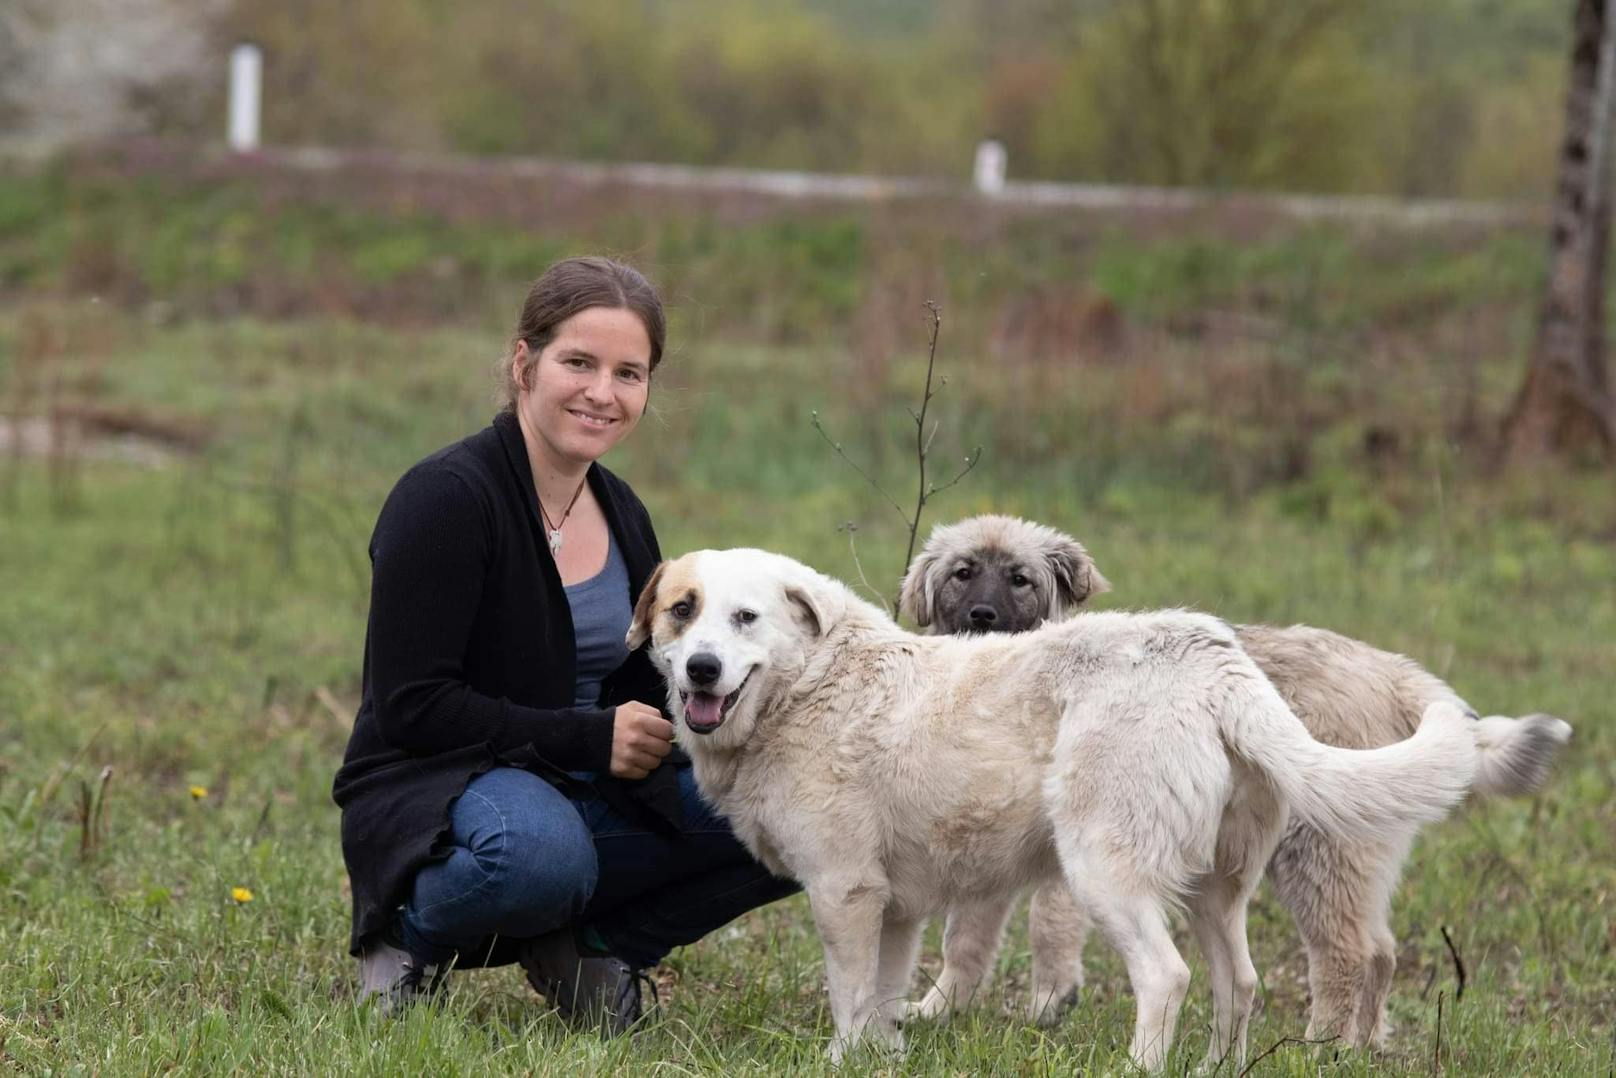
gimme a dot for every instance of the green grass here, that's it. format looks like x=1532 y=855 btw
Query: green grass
x=200 y=624
x=167 y=235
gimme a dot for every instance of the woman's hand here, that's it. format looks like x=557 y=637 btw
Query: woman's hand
x=641 y=737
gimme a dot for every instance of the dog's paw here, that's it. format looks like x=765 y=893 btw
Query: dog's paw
x=933 y=1005
x=837 y=1051
x=879 y=1035
x=889 y=1036
x=1048 y=1007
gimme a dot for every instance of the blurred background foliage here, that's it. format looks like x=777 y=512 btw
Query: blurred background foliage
x=1436 y=98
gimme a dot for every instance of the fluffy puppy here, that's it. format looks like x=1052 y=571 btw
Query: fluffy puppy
x=1002 y=574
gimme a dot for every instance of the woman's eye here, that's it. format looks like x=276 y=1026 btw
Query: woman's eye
x=962 y=573
x=681 y=610
x=631 y=375
x=1019 y=581
x=577 y=363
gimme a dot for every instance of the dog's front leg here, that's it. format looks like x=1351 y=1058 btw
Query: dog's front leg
x=848 y=915
x=900 y=947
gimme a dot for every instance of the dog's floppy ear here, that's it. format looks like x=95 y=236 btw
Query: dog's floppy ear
x=916 y=593
x=1076 y=578
x=639 y=628
x=821 y=607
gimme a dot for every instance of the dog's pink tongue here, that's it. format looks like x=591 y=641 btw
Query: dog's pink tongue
x=701 y=709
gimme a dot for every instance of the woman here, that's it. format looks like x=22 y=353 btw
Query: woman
x=511 y=791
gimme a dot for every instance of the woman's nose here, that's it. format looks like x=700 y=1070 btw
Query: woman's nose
x=600 y=386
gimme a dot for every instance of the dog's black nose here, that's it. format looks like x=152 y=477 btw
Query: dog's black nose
x=703 y=668
x=983 y=616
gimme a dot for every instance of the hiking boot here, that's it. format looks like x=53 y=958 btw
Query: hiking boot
x=589 y=991
x=395 y=976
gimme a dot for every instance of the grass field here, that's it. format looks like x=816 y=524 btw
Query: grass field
x=194 y=625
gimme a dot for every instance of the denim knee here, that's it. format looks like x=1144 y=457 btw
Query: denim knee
x=536 y=854
x=539 y=881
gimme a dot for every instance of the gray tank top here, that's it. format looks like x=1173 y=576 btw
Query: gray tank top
x=600 y=615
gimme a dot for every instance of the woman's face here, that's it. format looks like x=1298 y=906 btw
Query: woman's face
x=588 y=387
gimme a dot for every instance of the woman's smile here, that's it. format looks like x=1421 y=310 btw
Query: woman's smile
x=592 y=419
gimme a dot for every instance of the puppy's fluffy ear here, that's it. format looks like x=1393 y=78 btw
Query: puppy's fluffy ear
x=821 y=607
x=1076 y=578
x=639 y=627
x=916 y=595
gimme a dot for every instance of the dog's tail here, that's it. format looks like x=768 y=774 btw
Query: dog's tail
x=1515 y=755
x=1353 y=791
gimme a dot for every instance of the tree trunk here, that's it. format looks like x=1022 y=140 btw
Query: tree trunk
x=1565 y=403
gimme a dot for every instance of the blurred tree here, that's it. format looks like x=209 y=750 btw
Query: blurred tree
x=1213 y=92
x=1565 y=400
x=11 y=61
x=776 y=84
x=1462 y=88
x=568 y=80
x=1513 y=148
x=768 y=84
x=1017 y=53
x=772 y=85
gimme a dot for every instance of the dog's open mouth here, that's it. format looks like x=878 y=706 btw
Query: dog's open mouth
x=705 y=712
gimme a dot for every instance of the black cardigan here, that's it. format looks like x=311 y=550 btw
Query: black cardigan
x=470 y=663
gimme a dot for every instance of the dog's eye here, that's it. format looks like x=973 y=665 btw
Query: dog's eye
x=962 y=573
x=745 y=617
x=681 y=609
x=1019 y=580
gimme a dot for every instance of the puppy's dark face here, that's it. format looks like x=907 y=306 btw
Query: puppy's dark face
x=999 y=574
x=990 y=591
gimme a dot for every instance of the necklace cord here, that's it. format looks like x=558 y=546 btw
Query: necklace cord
x=565 y=513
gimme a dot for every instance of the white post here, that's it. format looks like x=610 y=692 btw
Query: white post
x=990 y=163
x=246 y=79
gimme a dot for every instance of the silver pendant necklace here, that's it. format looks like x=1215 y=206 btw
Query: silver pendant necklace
x=552 y=532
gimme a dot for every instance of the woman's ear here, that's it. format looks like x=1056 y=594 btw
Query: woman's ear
x=522 y=358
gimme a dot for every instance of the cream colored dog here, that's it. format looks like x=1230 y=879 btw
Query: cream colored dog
x=1003 y=574
x=1142 y=758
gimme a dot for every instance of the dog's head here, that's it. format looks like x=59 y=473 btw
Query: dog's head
x=997 y=574
x=731 y=630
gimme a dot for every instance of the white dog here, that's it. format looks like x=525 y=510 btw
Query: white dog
x=1003 y=574
x=1144 y=758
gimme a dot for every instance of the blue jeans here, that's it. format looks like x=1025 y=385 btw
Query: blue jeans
x=526 y=860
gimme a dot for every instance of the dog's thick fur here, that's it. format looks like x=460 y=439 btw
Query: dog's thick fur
x=1003 y=574
x=1144 y=759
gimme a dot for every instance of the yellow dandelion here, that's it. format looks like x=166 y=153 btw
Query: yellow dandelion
x=241 y=895
x=198 y=792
